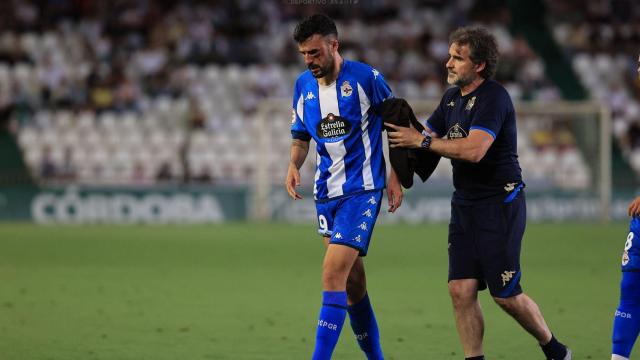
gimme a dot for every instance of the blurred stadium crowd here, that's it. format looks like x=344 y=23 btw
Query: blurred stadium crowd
x=142 y=92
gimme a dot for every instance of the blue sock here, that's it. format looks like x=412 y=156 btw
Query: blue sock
x=332 y=314
x=365 y=327
x=626 y=323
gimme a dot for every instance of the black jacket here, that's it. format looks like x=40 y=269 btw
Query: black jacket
x=406 y=162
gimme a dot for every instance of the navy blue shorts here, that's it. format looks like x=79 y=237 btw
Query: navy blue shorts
x=484 y=244
x=349 y=220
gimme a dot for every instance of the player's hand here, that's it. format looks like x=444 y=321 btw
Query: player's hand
x=404 y=137
x=293 y=180
x=394 y=192
x=634 y=207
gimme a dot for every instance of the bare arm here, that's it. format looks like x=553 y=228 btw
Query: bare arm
x=394 y=191
x=299 y=151
x=472 y=148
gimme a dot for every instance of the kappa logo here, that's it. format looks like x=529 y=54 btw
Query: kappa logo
x=310 y=96
x=451 y=104
x=367 y=213
x=506 y=277
x=375 y=73
x=338 y=236
x=363 y=226
x=372 y=200
x=357 y=238
x=510 y=186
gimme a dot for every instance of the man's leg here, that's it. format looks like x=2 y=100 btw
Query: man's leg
x=336 y=267
x=361 y=315
x=468 y=314
x=527 y=313
x=626 y=321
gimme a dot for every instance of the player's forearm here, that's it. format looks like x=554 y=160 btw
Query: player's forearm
x=299 y=151
x=458 y=149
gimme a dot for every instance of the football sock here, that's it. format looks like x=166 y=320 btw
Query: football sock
x=332 y=314
x=481 y=357
x=554 y=350
x=626 y=323
x=365 y=327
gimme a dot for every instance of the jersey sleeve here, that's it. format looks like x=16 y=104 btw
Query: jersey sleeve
x=436 y=122
x=491 y=113
x=298 y=130
x=380 y=90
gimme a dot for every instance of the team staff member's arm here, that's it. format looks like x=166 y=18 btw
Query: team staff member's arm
x=299 y=151
x=634 y=207
x=472 y=148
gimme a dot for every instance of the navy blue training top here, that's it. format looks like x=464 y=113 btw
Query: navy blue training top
x=487 y=108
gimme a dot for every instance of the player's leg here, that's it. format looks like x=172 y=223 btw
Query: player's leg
x=501 y=244
x=337 y=264
x=626 y=322
x=356 y=220
x=465 y=282
x=468 y=315
x=361 y=315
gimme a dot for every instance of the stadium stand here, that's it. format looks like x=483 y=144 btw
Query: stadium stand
x=140 y=92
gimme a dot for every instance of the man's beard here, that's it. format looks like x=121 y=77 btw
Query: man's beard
x=460 y=81
x=323 y=70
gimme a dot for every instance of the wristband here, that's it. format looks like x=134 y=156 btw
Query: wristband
x=426 y=143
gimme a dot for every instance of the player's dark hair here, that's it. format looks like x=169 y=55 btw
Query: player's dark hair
x=482 y=47
x=315 y=24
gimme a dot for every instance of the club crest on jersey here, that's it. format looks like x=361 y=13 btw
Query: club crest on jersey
x=470 y=104
x=456 y=132
x=625 y=258
x=333 y=127
x=346 y=89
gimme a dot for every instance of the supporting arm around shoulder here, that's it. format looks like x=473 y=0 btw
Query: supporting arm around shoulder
x=472 y=148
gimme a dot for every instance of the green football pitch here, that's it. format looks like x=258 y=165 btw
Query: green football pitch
x=251 y=291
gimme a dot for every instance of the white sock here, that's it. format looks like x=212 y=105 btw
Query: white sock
x=618 y=357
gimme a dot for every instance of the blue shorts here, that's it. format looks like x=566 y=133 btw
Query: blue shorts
x=349 y=220
x=484 y=244
x=631 y=253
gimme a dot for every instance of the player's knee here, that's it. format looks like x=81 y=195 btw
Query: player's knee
x=333 y=278
x=461 y=295
x=509 y=304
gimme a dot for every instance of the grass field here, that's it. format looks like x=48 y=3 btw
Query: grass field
x=252 y=292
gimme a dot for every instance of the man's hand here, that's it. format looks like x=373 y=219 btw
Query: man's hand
x=634 y=207
x=394 y=192
x=293 y=180
x=404 y=137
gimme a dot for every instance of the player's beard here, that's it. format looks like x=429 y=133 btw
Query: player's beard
x=323 y=70
x=459 y=80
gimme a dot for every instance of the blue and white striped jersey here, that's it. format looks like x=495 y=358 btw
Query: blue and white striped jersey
x=342 y=119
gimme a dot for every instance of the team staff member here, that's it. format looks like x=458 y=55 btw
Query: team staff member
x=488 y=212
